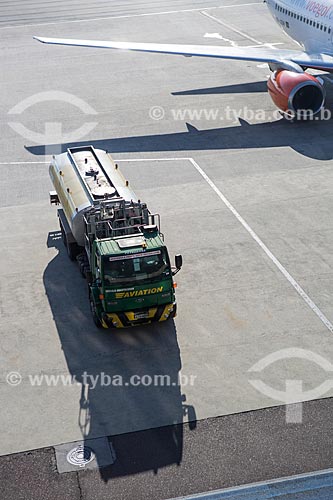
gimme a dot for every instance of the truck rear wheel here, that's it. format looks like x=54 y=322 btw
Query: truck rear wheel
x=63 y=236
x=72 y=250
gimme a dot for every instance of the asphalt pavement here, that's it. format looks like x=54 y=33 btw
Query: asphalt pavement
x=215 y=453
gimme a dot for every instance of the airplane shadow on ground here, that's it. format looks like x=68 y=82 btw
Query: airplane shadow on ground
x=312 y=139
x=243 y=88
x=108 y=410
x=239 y=88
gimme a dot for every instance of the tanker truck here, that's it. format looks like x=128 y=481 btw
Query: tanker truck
x=115 y=239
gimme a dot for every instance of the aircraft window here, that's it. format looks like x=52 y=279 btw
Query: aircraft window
x=318 y=26
x=325 y=29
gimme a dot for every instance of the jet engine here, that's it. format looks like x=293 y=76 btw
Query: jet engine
x=300 y=94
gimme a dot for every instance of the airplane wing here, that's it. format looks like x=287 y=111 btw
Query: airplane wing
x=258 y=54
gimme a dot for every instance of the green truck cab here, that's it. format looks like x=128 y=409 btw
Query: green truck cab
x=132 y=280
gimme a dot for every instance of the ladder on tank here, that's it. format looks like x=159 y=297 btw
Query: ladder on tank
x=118 y=217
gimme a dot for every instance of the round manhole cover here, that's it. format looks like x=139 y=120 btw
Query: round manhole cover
x=80 y=456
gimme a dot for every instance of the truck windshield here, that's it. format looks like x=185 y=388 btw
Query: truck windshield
x=136 y=267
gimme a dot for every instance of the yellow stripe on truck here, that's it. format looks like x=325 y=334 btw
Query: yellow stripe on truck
x=138 y=293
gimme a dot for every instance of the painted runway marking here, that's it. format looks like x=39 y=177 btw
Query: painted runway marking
x=129 y=16
x=240 y=219
x=233 y=43
x=23 y=162
x=241 y=33
x=262 y=245
x=230 y=27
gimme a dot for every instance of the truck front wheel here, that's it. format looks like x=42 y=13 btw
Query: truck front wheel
x=94 y=314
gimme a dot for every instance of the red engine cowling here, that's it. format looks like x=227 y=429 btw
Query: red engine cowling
x=299 y=93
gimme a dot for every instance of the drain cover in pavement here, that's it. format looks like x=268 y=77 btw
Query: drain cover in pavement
x=89 y=454
x=80 y=455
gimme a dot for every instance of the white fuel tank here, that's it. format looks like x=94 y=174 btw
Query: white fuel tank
x=82 y=177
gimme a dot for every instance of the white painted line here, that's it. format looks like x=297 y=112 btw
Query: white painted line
x=240 y=219
x=153 y=159
x=116 y=160
x=23 y=162
x=262 y=245
x=129 y=16
x=230 y=27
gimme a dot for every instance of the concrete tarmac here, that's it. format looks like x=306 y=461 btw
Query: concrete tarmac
x=244 y=195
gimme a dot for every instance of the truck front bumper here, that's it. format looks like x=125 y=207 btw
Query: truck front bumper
x=128 y=319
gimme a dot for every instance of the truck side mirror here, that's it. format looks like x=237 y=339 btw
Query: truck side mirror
x=178 y=261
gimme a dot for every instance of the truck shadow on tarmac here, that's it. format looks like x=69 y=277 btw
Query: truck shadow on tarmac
x=104 y=362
